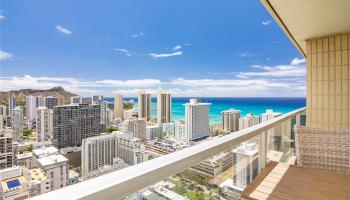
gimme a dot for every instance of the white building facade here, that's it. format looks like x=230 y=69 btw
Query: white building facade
x=197 y=119
x=44 y=124
x=230 y=120
x=17 y=123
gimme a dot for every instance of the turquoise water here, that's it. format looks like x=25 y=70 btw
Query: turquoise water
x=244 y=104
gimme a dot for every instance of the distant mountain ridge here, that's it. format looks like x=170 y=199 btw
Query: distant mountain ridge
x=20 y=95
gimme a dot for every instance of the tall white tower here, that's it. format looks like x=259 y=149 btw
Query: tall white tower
x=31 y=108
x=17 y=123
x=44 y=124
x=197 y=119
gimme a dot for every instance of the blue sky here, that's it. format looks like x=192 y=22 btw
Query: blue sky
x=190 y=47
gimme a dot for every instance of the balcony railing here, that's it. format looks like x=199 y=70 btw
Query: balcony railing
x=119 y=184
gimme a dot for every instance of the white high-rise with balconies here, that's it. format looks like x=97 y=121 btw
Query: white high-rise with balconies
x=245 y=161
x=135 y=126
x=130 y=149
x=97 y=152
x=54 y=165
x=104 y=106
x=44 y=124
x=17 y=123
x=180 y=130
x=196 y=119
x=276 y=134
x=6 y=148
x=163 y=107
x=230 y=120
x=118 y=106
x=269 y=114
x=31 y=108
x=144 y=105
x=248 y=121
x=11 y=101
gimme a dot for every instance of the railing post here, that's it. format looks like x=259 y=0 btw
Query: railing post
x=297 y=119
x=262 y=150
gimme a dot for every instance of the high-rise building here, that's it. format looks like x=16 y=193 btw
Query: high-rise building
x=39 y=101
x=246 y=163
x=248 y=121
x=2 y=124
x=110 y=116
x=168 y=129
x=97 y=152
x=96 y=98
x=275 y=135
x=180 y=132
x=11 y=104
x=269 y=114
x=130 y=149
x=76 y=100
x=72 y=123
x=163 y=107
x=135 y=126
x=230 y=120
x=144 y=105
x=17 y=123
x=54 y=165
x=6 y=153
x=3 y=110
x=50 y=102
x=153 y=131
x=197 y=119
x=118 y=106
x=31 y=108
x=104 y=107
x=44 y=124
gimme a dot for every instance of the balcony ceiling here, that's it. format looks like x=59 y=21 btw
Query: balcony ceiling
x=306 y=19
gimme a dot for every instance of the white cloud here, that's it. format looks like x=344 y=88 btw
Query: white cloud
x=2 y=17
x=136 y=35
x=5 y=55
x=245 y=54
x=124 y=51
x=292 y=70
x=177 y=47
x=280 y=71
x=178 y=86
x=165 y=55
x=263 y=80
x=297 y=61
x=63 y=30
x=143 y=83
x=265 y=23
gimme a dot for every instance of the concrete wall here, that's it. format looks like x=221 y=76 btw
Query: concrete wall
x=328 y=84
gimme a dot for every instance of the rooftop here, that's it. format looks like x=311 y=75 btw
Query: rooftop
x=51 y=160
x=45 y=151
x=37 y=175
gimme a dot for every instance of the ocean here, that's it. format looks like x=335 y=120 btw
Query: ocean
x=255 y=105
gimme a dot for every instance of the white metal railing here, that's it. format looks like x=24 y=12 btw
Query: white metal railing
x=119 y=184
